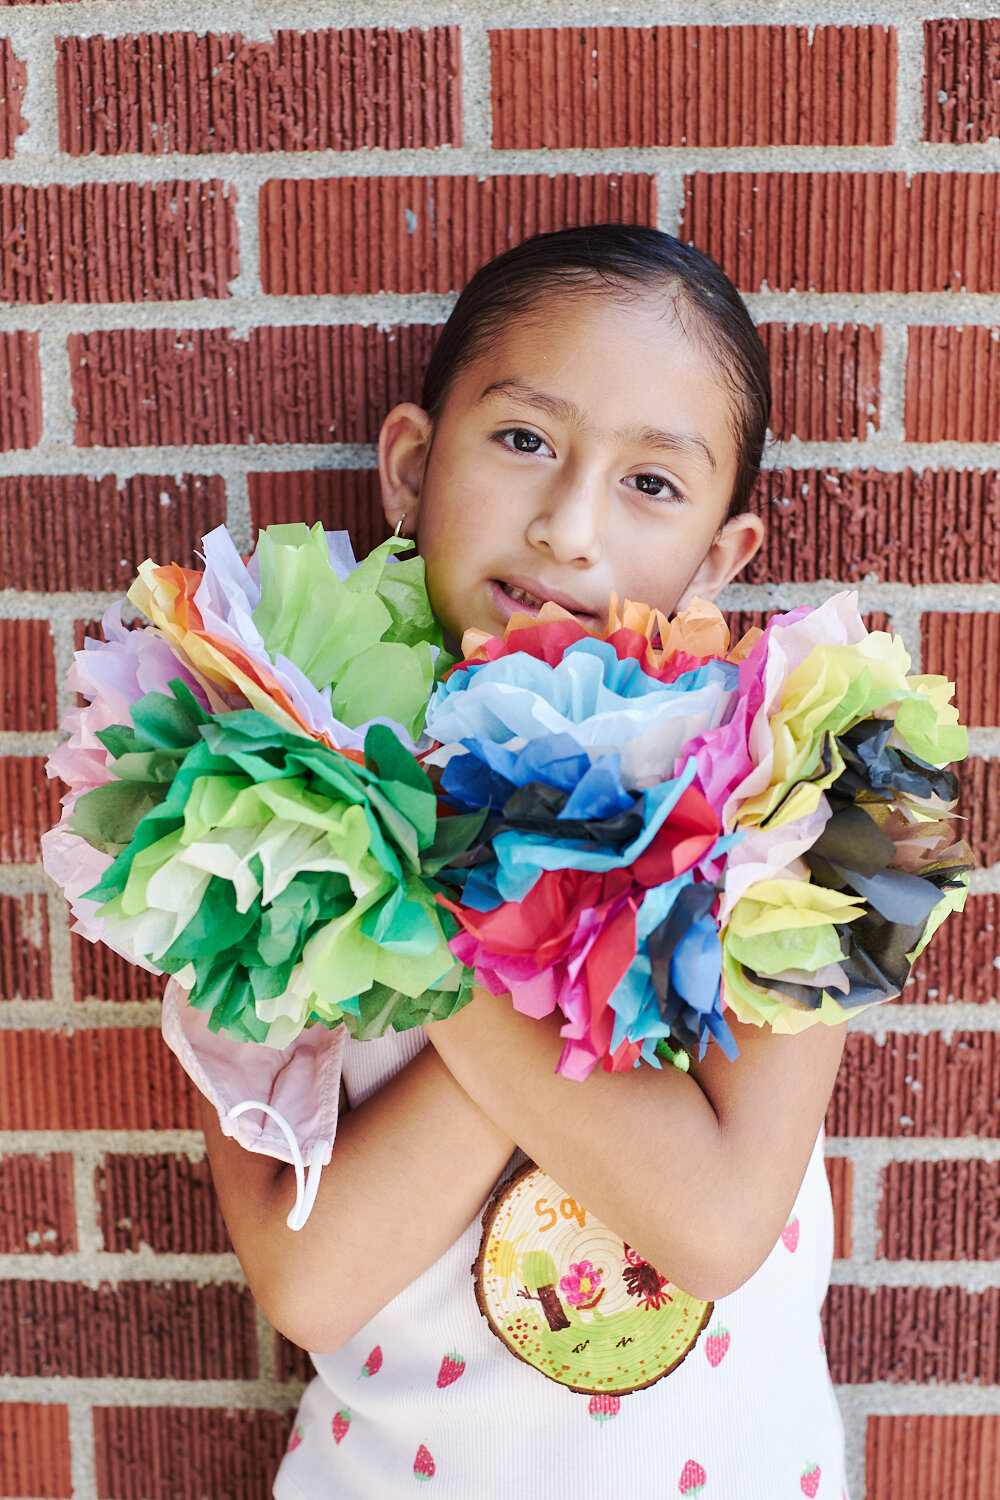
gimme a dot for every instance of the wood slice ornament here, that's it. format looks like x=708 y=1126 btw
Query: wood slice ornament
x=570 y=1298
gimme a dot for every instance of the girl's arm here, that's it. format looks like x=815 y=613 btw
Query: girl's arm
x=698 y=1171
x=410 y=1169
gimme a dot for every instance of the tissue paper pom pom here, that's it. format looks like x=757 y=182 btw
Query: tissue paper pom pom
x=806 y=757
x=280 y=881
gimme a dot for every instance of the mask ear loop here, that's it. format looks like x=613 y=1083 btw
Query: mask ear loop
x=399 y=525
x=306 y=1186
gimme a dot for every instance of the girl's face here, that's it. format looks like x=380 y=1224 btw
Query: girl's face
x=589 y=449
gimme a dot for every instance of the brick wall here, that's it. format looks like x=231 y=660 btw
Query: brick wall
x=222 y=254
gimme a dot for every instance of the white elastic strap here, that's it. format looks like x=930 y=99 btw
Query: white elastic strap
x=306 y=1184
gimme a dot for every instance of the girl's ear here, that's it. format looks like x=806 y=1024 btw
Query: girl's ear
x=735 y=543
x=403 y=445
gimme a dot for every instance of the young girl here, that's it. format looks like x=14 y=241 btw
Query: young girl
x=592 y=421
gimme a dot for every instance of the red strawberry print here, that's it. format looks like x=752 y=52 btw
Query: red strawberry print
x=716 y=1344
x=790 y=1235
x=295 y=1439
x=809 y=1481
x=372 y=1364
x=604 y=1406
x=452 y=1366
x=341 y=1422
x=692 y=1479
x=423 y=1465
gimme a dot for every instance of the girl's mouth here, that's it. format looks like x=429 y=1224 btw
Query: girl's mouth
x=521 y=596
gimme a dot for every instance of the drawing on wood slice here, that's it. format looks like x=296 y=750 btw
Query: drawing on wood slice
x=571 y=1298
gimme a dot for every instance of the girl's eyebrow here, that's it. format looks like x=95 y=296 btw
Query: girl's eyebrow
x=691 y=444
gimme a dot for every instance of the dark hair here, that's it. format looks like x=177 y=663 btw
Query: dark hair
x=621 y=257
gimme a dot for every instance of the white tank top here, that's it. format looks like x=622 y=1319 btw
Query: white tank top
x=426 y=1395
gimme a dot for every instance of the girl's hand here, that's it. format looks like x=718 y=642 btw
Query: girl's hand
x=698 y=1171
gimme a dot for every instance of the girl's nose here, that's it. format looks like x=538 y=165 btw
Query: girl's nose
x=569 y=522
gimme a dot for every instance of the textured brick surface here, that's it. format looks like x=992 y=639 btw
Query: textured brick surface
x=166 y=1202
x=849 y=231
x=291 y=1362
x=904 y=1333
x=106 y=1079
x=30 y=804
x=13 y=80
x=303 y=91
x=99 y=974
x=67 y=533
x=934 y=1085
x=840 y=1175
x=962 y=79
x=174 y=1453
x=934 y=526
x=693 y=86
x=133 y=388
x=952 y=385
x=144 y=1330
x=423 y=234
x=932 y=1458
x=37 y=1205
x=27 y=676
x=979 y=802
x=825 y=380
x=20 y=391
x=940 y=1210
x=25 y=971
x=966 y=650
x=117 y=242
x=962 y=960
x=343 y=499
x=34 y=1451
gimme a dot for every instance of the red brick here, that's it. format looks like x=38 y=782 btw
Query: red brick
x=117 y=242
x=99 y=974
x=34 y=1451
x=952 y=385
x=742 y=620
x=13 y=82
x=935 y=1085
x=825 y=380
x=423 y=234
x=27 y=676
x=136 y=1329
x=903 y=1333
x=25 y=968
x=693 y=86
x=979 y=802
x=935 y=526
x=109 y=1078
x=67 y=533
x=166 y=1202
x=291 y=1362
x=343 y=499
x=849 y=231
x=940 y=1210
x=962 y=960
x=965 y=649
x=308 y=384
x=20 y=391
x=302 y=91
x=932 y=1458
x=840 y=1175
x=184 y=1453
x=962 y=81
x=30 y=805
x=37 y=1205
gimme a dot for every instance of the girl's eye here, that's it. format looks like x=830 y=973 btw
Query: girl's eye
x=522 y=440
x=656 y=486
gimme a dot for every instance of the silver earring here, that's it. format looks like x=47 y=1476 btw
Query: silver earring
x=399 y=525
